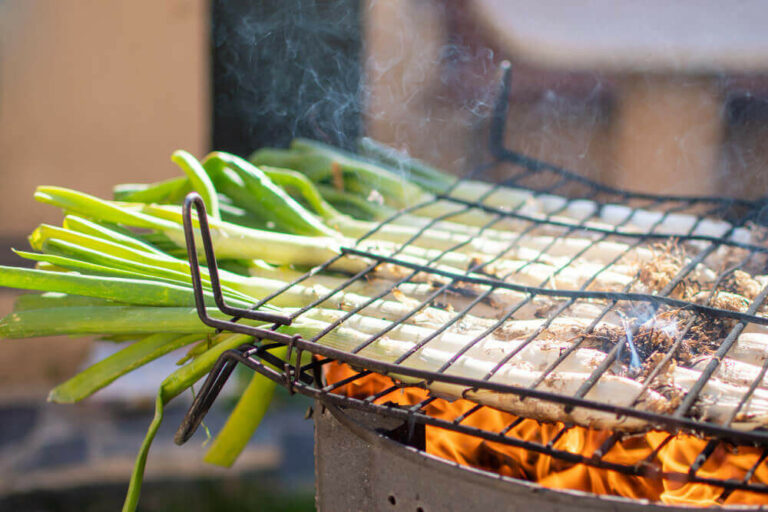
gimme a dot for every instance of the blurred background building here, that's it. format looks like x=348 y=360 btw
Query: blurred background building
x=652 y=96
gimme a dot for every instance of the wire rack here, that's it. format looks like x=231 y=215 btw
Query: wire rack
x=541 y=179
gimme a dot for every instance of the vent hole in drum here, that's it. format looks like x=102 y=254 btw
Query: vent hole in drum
x=391 y=500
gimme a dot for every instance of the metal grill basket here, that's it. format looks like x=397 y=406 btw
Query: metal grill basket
x=540 y=179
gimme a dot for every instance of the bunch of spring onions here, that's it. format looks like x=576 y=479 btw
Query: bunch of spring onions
x=118 y=269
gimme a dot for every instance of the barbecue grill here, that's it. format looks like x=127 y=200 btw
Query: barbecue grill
x=540 y=178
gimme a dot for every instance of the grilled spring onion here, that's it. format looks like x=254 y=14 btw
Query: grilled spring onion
x=252 y=188
x=320 y=162
x=98 y=276
x=279 y=248
x=519 y=257
x=120 y=269
x=233 y=241
x=250 y=178
x=138 y=320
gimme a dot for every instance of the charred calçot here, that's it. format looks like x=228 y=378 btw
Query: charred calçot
x=118 y=269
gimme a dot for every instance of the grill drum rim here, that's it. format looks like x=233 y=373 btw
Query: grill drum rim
x=531 y=492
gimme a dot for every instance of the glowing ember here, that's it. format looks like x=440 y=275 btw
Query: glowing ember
x=660 y=452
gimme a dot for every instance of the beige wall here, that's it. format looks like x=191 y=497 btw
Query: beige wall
x=644 y=132
x=94 y=93
x=409 y=106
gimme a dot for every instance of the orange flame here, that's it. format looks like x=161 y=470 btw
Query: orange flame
x=675 y=455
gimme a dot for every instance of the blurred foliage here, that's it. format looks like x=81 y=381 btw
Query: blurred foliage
x=243 y=494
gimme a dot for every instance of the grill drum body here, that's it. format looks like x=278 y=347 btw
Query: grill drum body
x=359 y=469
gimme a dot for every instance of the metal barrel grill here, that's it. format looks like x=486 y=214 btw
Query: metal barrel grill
x=540 y=178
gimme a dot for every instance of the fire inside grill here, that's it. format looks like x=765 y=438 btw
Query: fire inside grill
x=624 y=355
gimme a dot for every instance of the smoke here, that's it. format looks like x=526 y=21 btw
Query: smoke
x=288 y=69
x=423 y=77
x=431 y=79
x=283 y=70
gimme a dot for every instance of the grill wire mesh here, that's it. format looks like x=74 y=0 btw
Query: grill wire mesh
x=540 y=179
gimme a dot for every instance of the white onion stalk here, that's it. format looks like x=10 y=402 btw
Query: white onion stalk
x=506 y=198
x=317 y=160
x=608 y=216
x=736 y=372
x=751 y=347
x=720 y=395
x=718 y=400
x=613 y=390
x=526 y=247
x=540 y=238
x=490 y=348
x=550 y=271
x=234 y=241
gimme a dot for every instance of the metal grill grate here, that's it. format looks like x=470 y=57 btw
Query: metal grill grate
x=704 y=240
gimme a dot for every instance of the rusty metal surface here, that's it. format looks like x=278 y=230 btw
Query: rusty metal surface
x=358 y=469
